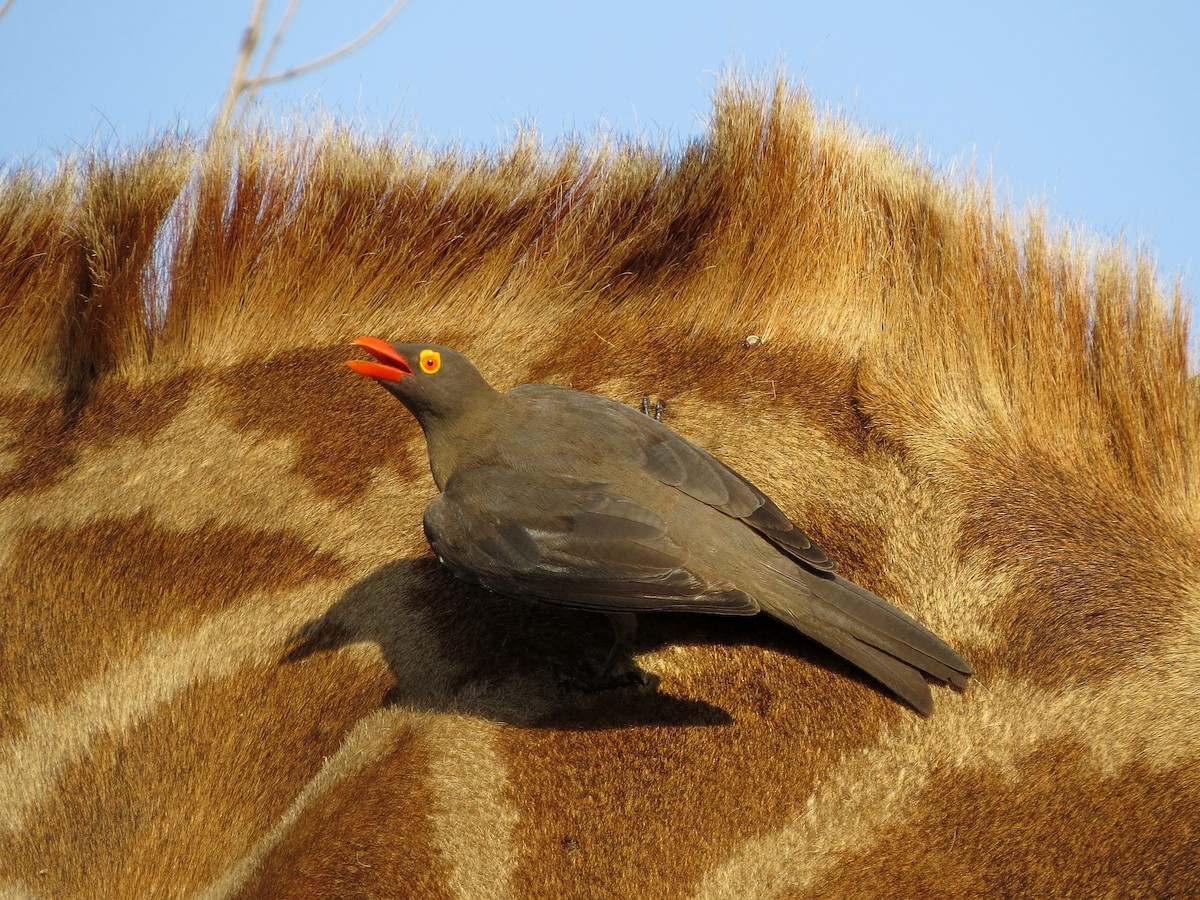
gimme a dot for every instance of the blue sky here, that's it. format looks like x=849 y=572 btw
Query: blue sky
x=1093 y=106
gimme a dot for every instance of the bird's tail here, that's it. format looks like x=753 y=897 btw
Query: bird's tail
x=869 y=632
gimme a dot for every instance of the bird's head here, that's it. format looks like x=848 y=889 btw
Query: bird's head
x=433 y=382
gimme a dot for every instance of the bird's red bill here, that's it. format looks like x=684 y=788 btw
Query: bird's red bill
x=391 y=366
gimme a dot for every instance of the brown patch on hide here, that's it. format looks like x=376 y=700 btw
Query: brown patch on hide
x=1055 y=827
x=168 y=806
x=80 y=598
x=854 y=543
x=640 y=791
x=1102 y=577
x=344 y=427
x=45 y=436
x=369 y=836
x=806 y=379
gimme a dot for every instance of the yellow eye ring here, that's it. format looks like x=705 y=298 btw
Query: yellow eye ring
x=431 y=361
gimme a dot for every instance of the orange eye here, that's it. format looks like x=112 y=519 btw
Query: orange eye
x=431 y=361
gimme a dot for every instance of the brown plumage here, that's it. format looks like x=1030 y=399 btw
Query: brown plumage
x=565 y=497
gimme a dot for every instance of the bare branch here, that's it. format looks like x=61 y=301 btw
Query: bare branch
x=251 y=85
x=277 y=39
x=243 y=89
x=237 y=81
x=349 y=47
x=4 y=8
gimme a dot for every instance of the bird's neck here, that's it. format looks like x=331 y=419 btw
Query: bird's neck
x=459 y=439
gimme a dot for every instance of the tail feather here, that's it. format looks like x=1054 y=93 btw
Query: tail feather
x=901 y=679
x=869 y=632
x=875 y=621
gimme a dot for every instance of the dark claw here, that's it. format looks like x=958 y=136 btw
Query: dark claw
x=659 y=406
x=587 y=679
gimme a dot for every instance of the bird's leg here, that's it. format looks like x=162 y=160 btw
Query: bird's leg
x=618 y=669
x=620 y=658
x=659 y=406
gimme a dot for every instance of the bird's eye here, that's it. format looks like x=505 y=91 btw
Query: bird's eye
x=431 y=361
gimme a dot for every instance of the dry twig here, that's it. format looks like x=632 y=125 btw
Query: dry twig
x=243 y=89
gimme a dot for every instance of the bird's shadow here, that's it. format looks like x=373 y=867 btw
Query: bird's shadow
x=453 y=647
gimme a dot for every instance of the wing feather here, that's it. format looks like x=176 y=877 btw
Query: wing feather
x=569 y=541
x=676 y=461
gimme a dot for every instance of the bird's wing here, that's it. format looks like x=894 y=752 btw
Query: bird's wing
x=569 y=541
x=676 y=461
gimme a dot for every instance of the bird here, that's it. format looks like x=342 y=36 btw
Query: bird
x=561 y=496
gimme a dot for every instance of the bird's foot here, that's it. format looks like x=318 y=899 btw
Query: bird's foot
x=656 y=412
x=587 y=679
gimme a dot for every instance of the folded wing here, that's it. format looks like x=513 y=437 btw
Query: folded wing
x=569 y=541
x=676 y=461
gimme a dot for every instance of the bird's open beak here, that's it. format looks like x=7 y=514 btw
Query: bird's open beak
x=391 y=366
